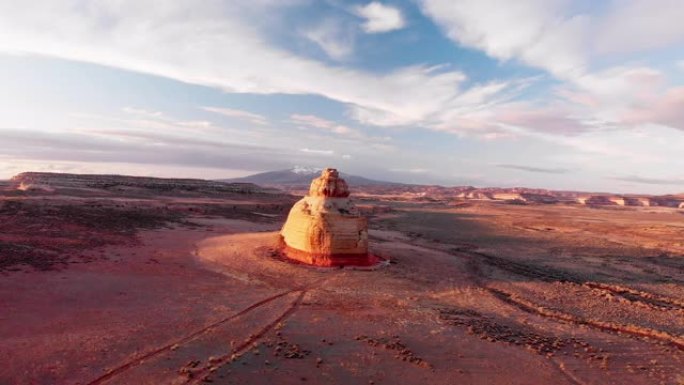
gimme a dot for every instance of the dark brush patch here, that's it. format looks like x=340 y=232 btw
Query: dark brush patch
x=395 y=344
x=261 y=213
x=14 y=255
x=49 y=237
x=544 y=274
x=492 y=331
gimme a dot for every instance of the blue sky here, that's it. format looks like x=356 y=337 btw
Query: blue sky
x=579 y=95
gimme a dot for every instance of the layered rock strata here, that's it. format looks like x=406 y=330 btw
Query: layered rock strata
x=325 y=228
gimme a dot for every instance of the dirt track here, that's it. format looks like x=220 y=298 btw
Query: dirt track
x=480 y=294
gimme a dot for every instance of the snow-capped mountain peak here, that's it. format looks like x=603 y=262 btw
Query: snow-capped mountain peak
x=302 y=170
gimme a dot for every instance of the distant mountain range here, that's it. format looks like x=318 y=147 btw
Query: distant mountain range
x=297 y=180
x=300 y=177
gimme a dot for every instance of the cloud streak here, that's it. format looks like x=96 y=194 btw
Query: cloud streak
x=238 y=114
x=535 y=169
x=143 y=149
x=317 y=151
x=676 y=181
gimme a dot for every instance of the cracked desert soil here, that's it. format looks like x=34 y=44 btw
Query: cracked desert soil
x=480 y=293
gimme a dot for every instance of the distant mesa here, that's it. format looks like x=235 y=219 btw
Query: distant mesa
x=55 y=182
x=325 y=228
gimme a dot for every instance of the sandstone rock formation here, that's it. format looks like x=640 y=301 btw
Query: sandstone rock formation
x=506 y=196
x=582 y=199
x=325 y=228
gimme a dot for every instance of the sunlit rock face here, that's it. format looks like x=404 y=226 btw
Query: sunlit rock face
x=325 y=228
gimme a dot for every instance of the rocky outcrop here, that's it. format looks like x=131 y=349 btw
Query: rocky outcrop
x=620 y=201
x=325 y=228
x=666 y=201
x=637 y=201
x=538 y=198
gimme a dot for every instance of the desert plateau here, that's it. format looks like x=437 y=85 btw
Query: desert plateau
x=341 y=192
x=122 y=280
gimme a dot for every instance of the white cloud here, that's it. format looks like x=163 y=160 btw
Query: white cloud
x=640 y=25
x=214 y=43
x=380 y=17
x=553 y=35
x=238 y=114
x=333 y=37
x=533 y=31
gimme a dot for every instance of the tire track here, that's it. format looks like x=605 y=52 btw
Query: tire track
x=649 y=300
x=633 y=296
x=547 y=274
x=565 y=372
x=138 y=360
x=201 y=375
x=553 y=275
x=634 y=330
x=639 y=297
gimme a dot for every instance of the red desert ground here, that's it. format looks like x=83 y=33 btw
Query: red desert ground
x=127 y=280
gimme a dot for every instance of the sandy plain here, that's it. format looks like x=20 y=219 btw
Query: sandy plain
x=139 y=289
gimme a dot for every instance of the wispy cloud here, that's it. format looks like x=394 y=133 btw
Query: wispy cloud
x=544 y=170
x=317 y=151
x=410 y=170
x=334 y=37
x=142 y=112
x=238 y=114
x=335 y=128
x=160 y=150
x=676 y=181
